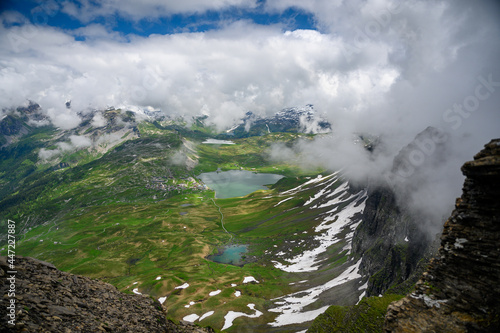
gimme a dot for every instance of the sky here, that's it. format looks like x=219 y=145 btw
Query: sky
x=389 y=68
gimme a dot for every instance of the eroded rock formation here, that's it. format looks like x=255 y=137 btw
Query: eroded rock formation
x=460 y=291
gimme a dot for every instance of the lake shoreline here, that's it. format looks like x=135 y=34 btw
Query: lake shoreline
x=222 y=249
x=237 y=183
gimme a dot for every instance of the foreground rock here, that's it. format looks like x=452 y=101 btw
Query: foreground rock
x=460 y=292
x=48 y=300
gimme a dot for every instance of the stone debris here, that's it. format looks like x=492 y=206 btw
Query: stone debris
x=51 y=301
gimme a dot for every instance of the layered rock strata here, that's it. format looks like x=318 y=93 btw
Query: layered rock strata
x=460 y=291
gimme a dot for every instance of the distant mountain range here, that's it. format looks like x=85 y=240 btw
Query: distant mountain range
x=302 y=120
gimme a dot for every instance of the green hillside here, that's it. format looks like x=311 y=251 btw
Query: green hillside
x=136 y=216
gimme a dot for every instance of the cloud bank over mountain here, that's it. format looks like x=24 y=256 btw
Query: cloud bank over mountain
x=373 y=65
x=381 y=67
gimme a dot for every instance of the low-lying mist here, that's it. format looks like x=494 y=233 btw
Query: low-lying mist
x=423 y=173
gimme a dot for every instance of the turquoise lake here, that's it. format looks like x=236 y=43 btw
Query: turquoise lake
x=231 y=255
x=237 y=183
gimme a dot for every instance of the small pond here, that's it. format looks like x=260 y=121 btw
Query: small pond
x=237 y=183
x=231 y=254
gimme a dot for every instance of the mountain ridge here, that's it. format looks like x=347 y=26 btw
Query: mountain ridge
x=459 y=291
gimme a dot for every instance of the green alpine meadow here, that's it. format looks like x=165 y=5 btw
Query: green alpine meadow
x=135 y=213
x=249 y=166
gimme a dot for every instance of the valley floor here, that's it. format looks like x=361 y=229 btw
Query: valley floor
x=132 y=219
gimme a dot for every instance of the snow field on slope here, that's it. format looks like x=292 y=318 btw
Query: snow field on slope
x=308 y=260
x=290 y=306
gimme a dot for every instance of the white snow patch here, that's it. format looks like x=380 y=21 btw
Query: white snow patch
x=136 y=291
x=248 y=279
x=298 y=317
x=158 y=278
x=232 y=315
x=406 y=239
x=321 y=192
x=341 y=188
x=459 y=242
x=363 y=287
x=237 y=293
x=233 y=284
x=361 y=297
x=184 y=286
x=307 y=261
x=233 y=128
x=299 y=188
x=191 y=318
x=218 y=142
x=213 y=293
x=292 y=283
x=295 y=302
x=429 y=301
x=208 y=314
x=279 y=203
x=135 y=283
x=162 y=299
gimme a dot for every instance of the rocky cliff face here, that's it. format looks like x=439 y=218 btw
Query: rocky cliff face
x=460 y=292
x=393 y=239
x=393 y=246
x=48 y=300
x=10 y=129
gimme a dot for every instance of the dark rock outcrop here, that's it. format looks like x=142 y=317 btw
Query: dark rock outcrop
x=48 y=300
x=10 y=125
x=394 y=239
x=393 y=246
x=460 y=291
x=11 y=128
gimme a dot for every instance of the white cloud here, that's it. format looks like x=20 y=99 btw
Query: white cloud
x=98 y=120
x=97 y=31
x=87 y=10
x=375 y=67
x=61 y=117
x=64 y=146
x=76 y=142
x=45 y=154
x=244 y=66
x=80 y=141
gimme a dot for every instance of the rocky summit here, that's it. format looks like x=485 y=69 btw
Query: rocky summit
x=460 y=291
x=48 y=300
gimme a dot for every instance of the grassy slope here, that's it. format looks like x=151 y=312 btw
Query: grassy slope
x=21 y=156
x=99 y=219
x=367 y=316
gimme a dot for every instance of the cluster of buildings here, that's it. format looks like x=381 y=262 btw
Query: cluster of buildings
x=179 y=185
